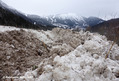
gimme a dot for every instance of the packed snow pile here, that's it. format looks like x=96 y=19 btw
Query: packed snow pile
x=85 y=63
x=19 y=50
x=74 y=56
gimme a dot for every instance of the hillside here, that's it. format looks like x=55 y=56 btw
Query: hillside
x=67 y=21
x=12 y=17
x=56 y=55
x=109 y=28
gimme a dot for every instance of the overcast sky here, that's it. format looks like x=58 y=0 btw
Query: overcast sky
x=99 y=8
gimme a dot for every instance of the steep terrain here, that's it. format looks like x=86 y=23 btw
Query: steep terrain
x=67 y=21
x=92 y=21
x=109 y=28
x=57 y=55
x=12 y=17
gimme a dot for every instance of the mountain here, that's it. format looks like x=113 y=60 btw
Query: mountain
x=109 y=28
x=67 y=21
x=70 y=21
x=39 y=20
x=93 y=20
x=12 y=17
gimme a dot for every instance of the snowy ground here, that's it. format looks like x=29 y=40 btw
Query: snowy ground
x=7 y=28
x=74 y=56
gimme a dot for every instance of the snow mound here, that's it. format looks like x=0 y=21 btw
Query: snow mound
x=74 y=56
x=86 y=62
x=19 y=51
x=7 y=28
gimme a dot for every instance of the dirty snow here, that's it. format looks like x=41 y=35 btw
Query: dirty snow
x=75 y=56
x=85 y=63
x=19 y=51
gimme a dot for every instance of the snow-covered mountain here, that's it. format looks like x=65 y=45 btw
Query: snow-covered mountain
x=14 y=11
x=40 y=20
x=12 y=17
x=66 y=20
x=92 y=21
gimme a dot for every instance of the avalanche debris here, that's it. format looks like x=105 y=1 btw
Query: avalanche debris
x=72 y=56
x=85 y=61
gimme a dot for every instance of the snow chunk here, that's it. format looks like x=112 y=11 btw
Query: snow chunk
x=86 y=62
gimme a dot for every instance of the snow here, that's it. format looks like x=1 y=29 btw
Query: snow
x=85 y=63
x=4 y=5
x=46 y=37
x=71 y=16
x=67 y=16
x=7 y=28
x=66 y=20
x=82 y=57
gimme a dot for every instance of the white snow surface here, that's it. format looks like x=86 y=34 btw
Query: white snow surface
x=7 y=28
x=71 y=16
x=86 y=62
x=64 y=16
x=67 y=16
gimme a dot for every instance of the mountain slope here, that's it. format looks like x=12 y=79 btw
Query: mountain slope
x=39 y=20
x=68 y=21
x=12 y=17
x=109 y=28
x=92 y=21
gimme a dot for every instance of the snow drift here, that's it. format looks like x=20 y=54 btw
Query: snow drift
x=75 y=56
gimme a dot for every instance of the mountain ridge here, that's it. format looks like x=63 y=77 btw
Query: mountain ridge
x=67 y=21
x=108 y=28
x=12 y=17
